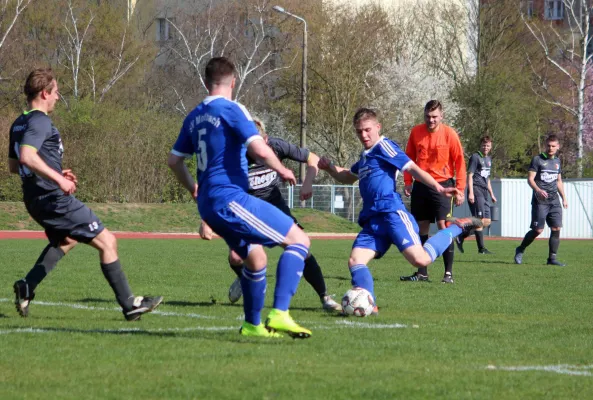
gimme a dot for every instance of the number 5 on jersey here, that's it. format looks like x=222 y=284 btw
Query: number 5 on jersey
x=201 y=154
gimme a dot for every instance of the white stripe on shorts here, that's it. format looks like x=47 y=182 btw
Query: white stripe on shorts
x=255 y=222
x=409 y=226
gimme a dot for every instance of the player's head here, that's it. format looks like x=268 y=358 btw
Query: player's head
x=220 y=71
x=485 y=144
x=261 y=128
x=367 y=127
x=41 y=86
x=433 y=114
x=552 y=145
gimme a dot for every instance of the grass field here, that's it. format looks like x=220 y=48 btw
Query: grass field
x=502 y=331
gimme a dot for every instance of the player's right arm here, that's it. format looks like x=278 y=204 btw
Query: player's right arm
x=533 y=167
x=410 y=152
x=471 y=169
x=342 y=175
x=183 y=149
x=422 y=176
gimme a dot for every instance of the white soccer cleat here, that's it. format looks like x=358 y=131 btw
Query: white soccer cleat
x=330 y=304
x=235 y=291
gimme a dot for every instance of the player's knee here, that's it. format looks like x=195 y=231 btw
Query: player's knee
x=537 y=232
x=486 y=222
x=298 y=236
x=555 y=229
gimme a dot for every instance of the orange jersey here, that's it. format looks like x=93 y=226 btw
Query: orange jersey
x=438 y=153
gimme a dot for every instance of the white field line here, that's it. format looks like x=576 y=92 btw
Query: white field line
x=121 y=330
x=338 y=324
x=565 y=369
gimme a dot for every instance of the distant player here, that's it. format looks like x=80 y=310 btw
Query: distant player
x=35 y=153
x=220 y=132
x=264 y=183
x=545 y=178
x=436 y=148
x=384 y=218
x=478 y=189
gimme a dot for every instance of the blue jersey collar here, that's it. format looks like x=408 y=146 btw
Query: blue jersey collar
x=209 y=99
x=381 y=138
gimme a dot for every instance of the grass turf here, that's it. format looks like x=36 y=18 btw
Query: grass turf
x=75 y=344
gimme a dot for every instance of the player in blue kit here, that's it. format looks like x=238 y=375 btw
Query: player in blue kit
x=221 y=132
x=384 y=218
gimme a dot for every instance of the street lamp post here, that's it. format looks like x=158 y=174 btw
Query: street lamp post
x=303 y=86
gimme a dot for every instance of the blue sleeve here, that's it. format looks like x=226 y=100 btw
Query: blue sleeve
x=354 y=168
x=238 y=118
x=183 y=146
x=38 y=130
x=390 y=152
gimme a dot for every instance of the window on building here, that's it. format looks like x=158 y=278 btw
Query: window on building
x=530 y=8
x=164 y=30
x=554 y=10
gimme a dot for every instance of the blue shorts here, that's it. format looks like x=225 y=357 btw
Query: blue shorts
x=247 y=220
x=383 y=230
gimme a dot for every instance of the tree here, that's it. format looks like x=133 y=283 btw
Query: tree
x=561 y=72
x=10 y=11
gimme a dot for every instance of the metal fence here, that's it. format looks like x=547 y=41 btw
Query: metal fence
x=514 y=203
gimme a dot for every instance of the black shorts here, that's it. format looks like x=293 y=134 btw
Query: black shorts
x=480 y=208
x=280 y=203
x=64 y=216
x=550 y=214
x=429 y=205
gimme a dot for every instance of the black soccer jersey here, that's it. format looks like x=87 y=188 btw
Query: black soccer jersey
x=35 y=129
x=546 y=177
x=480 y=166
x=264 y=182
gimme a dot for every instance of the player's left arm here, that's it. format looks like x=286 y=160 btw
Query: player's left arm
x=494 y=200
x=561 y=191
x=424 y=177
x=456 y=152
x=288 y=150
x=177 y=164
x=310 y=175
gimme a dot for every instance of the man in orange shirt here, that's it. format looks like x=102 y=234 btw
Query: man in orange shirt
x=436 y=148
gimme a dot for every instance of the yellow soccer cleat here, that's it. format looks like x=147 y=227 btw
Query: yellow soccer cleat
x=282 y=321
x=260 y=330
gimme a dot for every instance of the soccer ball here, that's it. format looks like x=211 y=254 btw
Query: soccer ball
x=358 y=302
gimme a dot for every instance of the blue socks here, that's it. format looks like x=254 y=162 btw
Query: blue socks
x=361 y=277
x=288 y=275
x=439 y=243
x=253 y=285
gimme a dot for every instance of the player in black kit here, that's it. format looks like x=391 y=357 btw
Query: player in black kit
x=264 y=183
x=546 y=181
x=478 y=189
x=35 y=152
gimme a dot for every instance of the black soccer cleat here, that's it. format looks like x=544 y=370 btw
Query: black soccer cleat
x=22 y=297
x=459 y=242
x=142 y=305
x=467 y=224
x=518 y=256
x=415 y=277
x=484 y=251
x=553 y=261
x=448 y=278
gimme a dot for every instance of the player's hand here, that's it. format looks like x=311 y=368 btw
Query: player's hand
x=564 y=203
x=459 y=198
x=67 y=173
x=205 y=231
x=195 y=192
x=287 y=176
x=471 y=198
x=493 y=198
x=306 y=192
x=542 y=194
x=408 y=190
x=324 y=163
x=67 y=186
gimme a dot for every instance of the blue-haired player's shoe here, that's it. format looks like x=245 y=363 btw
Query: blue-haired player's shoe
x=260 y=330
x=281 y=321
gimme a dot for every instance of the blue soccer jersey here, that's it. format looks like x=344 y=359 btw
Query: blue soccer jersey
x=376 y=172
x=218 y=131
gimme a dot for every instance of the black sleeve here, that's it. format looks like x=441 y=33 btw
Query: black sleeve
x=11 y=149
x=283 y=150
x=534 y=166
x=473 y=163
x=38 y=130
